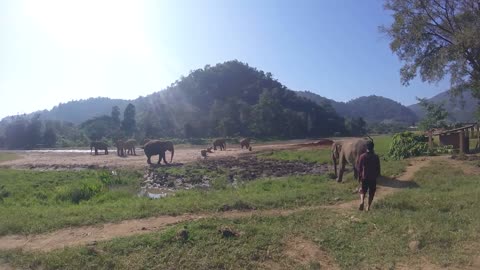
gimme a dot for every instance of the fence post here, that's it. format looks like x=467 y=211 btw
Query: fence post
x=430 y=140
x=462 y=141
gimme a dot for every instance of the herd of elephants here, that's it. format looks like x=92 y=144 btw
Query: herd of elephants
x=158 y=147
x=343 y=152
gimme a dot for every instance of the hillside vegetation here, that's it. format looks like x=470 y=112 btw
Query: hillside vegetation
x=226 y=100
x=373 y=109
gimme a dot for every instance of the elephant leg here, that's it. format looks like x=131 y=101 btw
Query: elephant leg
x=148 y=159
x=96 y=151
x=215 y=147
x=335 y=167
x=106 y=151
x=164 y=159
x=134 y=153
x=355 y=173
x=341 y=171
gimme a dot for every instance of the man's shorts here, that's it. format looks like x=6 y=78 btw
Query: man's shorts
x=369 y=185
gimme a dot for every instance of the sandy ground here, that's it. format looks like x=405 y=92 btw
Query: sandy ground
x=78 y=159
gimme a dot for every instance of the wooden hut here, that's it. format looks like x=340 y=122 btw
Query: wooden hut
x=459 y=138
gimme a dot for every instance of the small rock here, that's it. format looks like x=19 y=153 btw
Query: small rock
x=414 y=246
x=144 y=229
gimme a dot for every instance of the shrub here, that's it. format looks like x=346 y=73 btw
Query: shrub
x=81 y=192
x=407 y=144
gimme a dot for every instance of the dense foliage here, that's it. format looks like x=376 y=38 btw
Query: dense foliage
x=436 y=38
x=233 y=99
x=435 y=115
x=407 y=144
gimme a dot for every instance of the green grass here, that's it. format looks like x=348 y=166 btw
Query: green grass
x=390 y=168
x=34 y=202
x=441 y=213
x=5 y=156
x=320 y=156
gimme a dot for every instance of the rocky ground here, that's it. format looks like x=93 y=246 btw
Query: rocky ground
x=232 y=169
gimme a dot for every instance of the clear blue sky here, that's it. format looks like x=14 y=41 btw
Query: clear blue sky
x=56 y=51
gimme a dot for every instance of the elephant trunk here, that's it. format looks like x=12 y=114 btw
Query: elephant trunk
x=171 y=157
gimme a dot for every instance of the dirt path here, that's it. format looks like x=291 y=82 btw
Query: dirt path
x=90 y=234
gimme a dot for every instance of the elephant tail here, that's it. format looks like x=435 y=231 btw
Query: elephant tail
x=370 y=137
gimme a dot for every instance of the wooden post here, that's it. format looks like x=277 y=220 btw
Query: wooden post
x=430 y=140
x=478 y=135
x=462 y=143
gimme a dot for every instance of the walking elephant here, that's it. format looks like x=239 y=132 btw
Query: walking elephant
x=221 y=143
x=347 y=151
x=245 y=143
x=120 y=144
x=130 y=147
x=156 y=147
x=98 y=146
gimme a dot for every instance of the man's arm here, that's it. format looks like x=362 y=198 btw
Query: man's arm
x=378 y=167
x=360 y=166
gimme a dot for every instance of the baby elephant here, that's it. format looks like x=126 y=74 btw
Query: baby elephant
x=221 y=143
x=245 y=143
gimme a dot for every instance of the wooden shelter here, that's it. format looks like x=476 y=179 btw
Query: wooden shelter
x=459 y=138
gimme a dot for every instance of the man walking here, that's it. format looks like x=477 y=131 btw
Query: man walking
x=368 y=167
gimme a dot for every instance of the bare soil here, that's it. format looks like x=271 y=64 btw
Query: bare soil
x=71 y=160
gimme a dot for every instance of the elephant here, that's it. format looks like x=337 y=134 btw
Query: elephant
x=245 y=143
x=120 y=144
x=130 y=146
x=98 y=146
x=156 y=147
x=221 y=143
x=347 y=151
x=203 y=153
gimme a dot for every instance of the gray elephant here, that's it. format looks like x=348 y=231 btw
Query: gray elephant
x=130 y=147
x=98 y=146
x=221 y=143
x=120 y=144
x=347 y=151
x=245 y=143
x=156 y=147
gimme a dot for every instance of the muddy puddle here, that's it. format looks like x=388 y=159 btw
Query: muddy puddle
x=231 y=171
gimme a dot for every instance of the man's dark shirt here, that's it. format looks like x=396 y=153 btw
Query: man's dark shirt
x=368 y=166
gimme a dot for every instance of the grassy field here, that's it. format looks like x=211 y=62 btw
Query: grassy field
x=5 y=156
x=33 y=202
x=441 y=214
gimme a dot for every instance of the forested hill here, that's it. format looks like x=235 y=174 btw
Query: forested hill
x=231 y=99
x=373 y=109
x=228 y=99
x=460 y=108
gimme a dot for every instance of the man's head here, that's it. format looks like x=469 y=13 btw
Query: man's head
x=370 y=146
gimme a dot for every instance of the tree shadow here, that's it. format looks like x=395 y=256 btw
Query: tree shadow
x=395 y=183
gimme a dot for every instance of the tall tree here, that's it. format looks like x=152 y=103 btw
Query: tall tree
x=435 y=38
x=49 y=137
x=116 y=115
x=435 y=115
x=129 y=124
